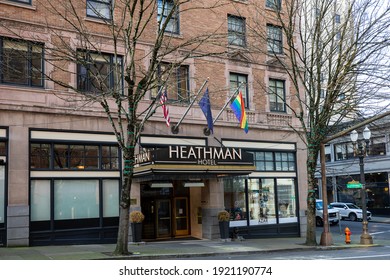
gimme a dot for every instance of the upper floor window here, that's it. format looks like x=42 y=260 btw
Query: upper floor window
x=240 y=80
x=21 y=62
x=177 y=81
x=274 y=39
x=377 y=146
x=273 y=4
x=337 y=18
x=343 y=151
x=97 y=72
x=99 y=9
x=277 y=95
x=167 y=10
x=236 y=31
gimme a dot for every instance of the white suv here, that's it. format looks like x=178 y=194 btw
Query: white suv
x=350 y=211
x=333 y=214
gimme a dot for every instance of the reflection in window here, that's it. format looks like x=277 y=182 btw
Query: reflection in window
x=236 y=31
x=274 y=39
x=234 y=195
x=277 y=95
x=99 y=73
x=177 y=80
x=344 y=151
x=40 y=156
x=22 y=62
x=168 y=9
x=99 y=9
x=287 y=208
x=65 y=156
x=76 y=156
x=261 y=201
x=274 y=161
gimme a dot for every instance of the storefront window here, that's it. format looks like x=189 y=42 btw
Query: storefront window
x=261 y=201
x=235 y=201
x=268 y=201
x=40 y=200
x=110 y=198
x=76 y=199
x=286 y=200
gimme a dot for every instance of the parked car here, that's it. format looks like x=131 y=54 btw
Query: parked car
x=333 y=214
x=350 y=211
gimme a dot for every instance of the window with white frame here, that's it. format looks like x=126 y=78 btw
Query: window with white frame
x=99 y=9
x=167 y=10
x=236 y=31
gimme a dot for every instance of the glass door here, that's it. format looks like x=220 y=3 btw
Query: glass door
x=181 y=216
x=164 y=218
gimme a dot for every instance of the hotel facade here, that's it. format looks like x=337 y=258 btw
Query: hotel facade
x=60 y=164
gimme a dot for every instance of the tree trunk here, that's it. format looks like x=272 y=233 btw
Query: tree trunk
x=123 y=232
x=124 y=212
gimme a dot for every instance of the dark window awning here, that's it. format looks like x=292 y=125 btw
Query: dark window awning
x=191 y=162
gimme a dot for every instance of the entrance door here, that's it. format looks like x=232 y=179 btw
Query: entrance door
x=164 y=218
x=181 y=216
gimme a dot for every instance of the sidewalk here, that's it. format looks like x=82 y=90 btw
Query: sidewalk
x=178 y=248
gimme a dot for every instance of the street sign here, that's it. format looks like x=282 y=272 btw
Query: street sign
x=354 y=185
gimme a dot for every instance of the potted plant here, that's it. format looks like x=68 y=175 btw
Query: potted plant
x=136 y=218
x=224 y=219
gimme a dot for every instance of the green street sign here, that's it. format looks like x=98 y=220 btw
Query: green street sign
x=354 y=185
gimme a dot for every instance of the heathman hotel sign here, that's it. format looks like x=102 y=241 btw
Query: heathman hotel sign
x=196 y=155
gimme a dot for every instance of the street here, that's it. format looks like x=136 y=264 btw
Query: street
x=379 y=231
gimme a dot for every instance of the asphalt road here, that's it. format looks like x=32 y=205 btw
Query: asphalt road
x=377 y=231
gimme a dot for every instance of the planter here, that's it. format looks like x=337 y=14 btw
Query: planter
x=224 y=229
x=136 y=232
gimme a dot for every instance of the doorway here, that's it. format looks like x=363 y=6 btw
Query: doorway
x=166 y=212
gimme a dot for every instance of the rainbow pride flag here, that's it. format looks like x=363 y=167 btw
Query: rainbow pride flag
x=238 y=107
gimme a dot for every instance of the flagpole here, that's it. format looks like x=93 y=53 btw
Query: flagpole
x=175 y=128
x=227 y=103
x=206 y=131
x=148 y=114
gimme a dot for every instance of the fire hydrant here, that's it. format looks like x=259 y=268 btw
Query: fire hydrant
x=347 y=236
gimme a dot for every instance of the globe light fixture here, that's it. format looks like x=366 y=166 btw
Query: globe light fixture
x=361 y=149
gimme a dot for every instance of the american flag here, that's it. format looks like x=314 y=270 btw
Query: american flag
x=164 y=106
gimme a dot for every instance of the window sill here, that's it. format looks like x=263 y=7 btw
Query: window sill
x=97 y=20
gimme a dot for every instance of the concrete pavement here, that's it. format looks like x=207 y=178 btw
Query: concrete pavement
x=178 y=248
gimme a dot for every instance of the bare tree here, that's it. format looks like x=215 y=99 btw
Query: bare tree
x=140 y=37
x=335 y=54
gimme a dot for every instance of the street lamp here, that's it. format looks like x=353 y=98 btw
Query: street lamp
x=360 y=149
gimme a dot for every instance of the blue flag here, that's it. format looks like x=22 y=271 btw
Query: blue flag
x=204 y=104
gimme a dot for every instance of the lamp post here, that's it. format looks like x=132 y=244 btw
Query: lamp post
x=360 y=149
